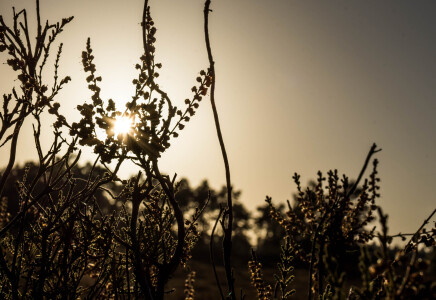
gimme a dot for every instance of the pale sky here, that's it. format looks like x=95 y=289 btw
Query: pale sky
x=302 y=86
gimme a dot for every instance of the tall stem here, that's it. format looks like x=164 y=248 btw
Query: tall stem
x=227 y=228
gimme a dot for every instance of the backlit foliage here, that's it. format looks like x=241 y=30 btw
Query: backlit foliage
x=330 y=222
x=60 y=244
x=264 y=290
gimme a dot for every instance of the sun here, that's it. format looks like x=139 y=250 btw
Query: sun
x=123 y=125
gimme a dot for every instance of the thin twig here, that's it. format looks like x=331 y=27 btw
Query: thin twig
x=371 y=152
x=419 y=229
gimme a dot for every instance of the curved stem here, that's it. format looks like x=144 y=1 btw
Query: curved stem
x=227 y=242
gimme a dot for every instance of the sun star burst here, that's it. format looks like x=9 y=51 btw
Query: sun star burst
x=123 y=125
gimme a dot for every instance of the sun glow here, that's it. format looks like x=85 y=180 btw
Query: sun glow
x=123 y=125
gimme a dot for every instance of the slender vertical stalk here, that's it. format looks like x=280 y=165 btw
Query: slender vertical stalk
x=212 y=256
x=227 y=228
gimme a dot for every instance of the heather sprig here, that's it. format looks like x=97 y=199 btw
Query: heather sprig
x=264 y=290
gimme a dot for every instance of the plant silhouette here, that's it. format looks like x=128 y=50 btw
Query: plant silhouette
x=71 y=231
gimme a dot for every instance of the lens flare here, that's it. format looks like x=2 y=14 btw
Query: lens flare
x=123 y=125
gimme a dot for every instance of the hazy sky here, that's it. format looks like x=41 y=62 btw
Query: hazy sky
x=301 y=86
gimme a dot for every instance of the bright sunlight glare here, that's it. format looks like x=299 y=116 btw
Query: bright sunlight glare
x=123 y=125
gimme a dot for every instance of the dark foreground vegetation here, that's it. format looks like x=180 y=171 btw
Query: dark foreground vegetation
x=69 y=230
